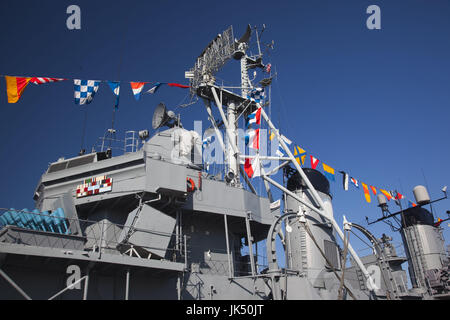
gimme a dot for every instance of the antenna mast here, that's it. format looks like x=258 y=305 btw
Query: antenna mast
x=202 y=80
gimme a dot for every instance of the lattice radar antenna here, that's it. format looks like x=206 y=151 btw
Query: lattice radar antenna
x=214 y=57
x=209 y=62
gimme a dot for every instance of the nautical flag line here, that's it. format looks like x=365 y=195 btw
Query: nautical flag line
x=16 y=85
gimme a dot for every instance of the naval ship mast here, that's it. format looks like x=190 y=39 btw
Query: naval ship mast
x=202 y=81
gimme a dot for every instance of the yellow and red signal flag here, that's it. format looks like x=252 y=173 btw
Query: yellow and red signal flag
x=374 y=190
x=438 y=223
x=366 y=192
x=387 y=194
x=15 y=87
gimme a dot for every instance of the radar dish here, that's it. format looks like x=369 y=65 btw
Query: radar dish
x=159 y=116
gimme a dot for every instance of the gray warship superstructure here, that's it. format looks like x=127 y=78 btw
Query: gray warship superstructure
x=152 y=223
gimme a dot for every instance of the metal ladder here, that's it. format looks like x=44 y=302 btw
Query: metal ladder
x=361 y=279
x=419 y=265
x=131 y=142
x=384 y=265
x=303 y=251
x=420 y=247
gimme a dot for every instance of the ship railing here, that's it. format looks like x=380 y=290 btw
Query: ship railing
x=131 y=143
x=95 y=236
x=216 y=261
x=243 y=265
x=113 y=144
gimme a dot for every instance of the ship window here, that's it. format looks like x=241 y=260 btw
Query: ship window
x=57 y=166
x=81 y=161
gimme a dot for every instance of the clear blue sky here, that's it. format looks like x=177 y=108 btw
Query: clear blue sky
x=374 y=103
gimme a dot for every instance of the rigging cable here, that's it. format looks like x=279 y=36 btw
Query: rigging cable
x=344 y=259
x=368 y=245
x=83 y=133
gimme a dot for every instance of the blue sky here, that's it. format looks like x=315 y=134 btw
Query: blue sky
x=374 y=103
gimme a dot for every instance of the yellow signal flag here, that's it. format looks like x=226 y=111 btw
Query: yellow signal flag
x=271 y=135
x=366 y=192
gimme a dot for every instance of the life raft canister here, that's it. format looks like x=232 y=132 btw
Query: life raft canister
x=190 y=185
